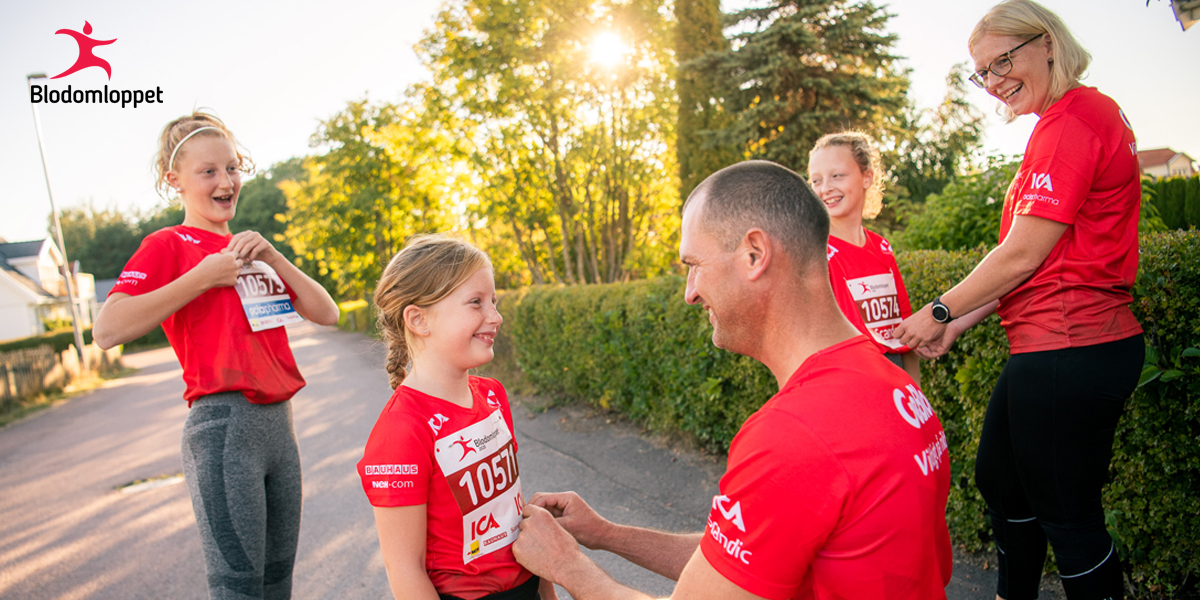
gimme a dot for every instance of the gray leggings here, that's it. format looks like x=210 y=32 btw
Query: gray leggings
x=242 y=467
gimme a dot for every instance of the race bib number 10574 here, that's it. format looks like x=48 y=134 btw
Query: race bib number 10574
x=264 y=297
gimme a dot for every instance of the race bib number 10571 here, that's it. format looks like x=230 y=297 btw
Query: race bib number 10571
x=264 y=297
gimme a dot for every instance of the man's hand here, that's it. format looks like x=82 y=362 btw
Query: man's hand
x=543 y=546
x=919 y=329
x=575 y=516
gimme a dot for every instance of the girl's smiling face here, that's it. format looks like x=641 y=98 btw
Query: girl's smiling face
x=838 y=181
x=208 y=176
x=462 y=326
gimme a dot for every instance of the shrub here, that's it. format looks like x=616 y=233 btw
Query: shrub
x=639 y=349
x=60 y=339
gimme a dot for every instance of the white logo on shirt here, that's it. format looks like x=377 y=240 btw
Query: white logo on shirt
x=391 y=470
x=829 y=252
x=187 y=237
x=132 y=274
x=732 y=514
x=491 y=399
x=436 y=423
x=914 y=406
x=732 y=547
x=1042 y=181
x=885 y=246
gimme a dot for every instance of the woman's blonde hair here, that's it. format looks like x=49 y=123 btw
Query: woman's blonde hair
x=1025 y=19
x=862 y=148
x=429 y=268
x=180 y=128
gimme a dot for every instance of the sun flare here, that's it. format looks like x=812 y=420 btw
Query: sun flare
x=608 y=49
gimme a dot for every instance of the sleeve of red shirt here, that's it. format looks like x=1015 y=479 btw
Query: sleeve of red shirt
x=1058 y=169
x=150 y=268
x=789 y=492
x=397 y=464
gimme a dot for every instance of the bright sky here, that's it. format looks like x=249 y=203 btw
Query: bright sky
x=272 y=70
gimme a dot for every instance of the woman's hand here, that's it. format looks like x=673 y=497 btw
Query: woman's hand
x=919 y=329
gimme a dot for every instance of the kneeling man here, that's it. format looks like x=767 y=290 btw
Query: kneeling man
x=837 y=486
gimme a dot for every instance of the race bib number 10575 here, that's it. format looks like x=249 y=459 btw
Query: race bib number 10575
x=264 y=297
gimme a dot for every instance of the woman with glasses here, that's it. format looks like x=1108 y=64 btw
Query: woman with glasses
x=1060 y=280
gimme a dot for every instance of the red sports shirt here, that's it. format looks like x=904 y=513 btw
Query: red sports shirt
x=867 y=285
x=837 y=487
x=1080 y=168
x=211 y=335
x=461 y=463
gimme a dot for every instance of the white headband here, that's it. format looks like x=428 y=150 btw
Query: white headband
x=171 y=163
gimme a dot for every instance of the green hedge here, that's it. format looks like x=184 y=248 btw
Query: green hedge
x=639 y=349
x=1177 y=200
x=60 y=339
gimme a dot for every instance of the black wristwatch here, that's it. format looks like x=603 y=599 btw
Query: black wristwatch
x=941 y=313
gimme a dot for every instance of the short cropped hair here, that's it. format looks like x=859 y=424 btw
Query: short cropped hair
x=1025 y=19
x=768 y=196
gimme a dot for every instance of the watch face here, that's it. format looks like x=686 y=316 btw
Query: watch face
x=941 y=314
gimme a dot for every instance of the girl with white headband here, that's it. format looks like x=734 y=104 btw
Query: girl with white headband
x=222 y=300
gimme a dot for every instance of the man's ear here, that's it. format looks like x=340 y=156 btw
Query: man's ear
x=416 y=320
x=757 y=251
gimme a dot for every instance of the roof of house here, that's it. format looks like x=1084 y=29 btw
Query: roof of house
x=10 y=250
x=1158 y=156
x=22 y=280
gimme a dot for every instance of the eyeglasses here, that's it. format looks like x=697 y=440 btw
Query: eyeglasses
x=1000 y=67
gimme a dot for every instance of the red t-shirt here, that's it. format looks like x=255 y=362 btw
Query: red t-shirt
x=837 y=487
x=867 y=285
x=461 y=463
x=1081 y=169
x=211 y=335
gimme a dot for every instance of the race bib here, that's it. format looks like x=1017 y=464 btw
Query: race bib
x=879 y=305
x=480 y=465
x=264 y=297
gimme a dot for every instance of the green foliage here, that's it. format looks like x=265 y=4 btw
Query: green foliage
x=943 y=144
x=701 y=106
x=354 y=315
x=799 y=69
x=639 y=349
x=101 y=240
x=384 y=178
x=636 y=348
x=60 y=340
x=572 y=155
x=965 y=214
x=1177 y=200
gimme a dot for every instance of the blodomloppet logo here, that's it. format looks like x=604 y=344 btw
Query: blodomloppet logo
x=39 y=94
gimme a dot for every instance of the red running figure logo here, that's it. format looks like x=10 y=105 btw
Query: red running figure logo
x=466 y=447
x=86 y=45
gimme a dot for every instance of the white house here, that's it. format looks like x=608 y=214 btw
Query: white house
x=1165 y=162
x=32 y=289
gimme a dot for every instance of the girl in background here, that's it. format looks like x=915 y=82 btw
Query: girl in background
x=222 y=300
x=845 y=172
x=440 y=466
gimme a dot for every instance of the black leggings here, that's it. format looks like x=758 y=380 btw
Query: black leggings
x=1043 y=459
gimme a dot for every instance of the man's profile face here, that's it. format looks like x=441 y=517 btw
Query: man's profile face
x=712 y=280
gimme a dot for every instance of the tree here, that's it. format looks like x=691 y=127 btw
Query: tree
x=573 y=156
x=383 y=179
x=101 y=240
x=944 y=144
x=799 y=69
x=701 y=105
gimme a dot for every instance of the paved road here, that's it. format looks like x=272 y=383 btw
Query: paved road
x=68 y=532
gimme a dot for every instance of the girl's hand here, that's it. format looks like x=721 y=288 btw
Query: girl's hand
x=218 y=270
x=250 y=245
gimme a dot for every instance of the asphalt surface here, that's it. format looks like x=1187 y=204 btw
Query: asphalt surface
x=67 y=531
